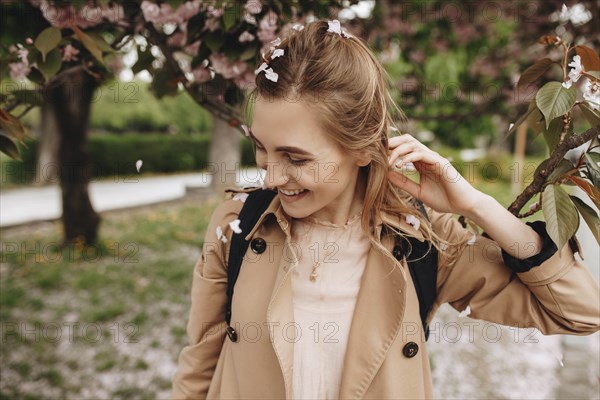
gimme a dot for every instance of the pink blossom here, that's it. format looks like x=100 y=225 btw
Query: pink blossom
x=188 y=10
x=29 y=40
x=192 y=49
x=159 y=15
x=246 y=37
x=253 y=6
x=177 y=39
x=18 y=71
x=151 y=11
x=201 y=74
x=70 y=53
x=85 y=17
x=226 y=68
x=267 y=27
x=22 y=54
x=591 y=94
x=245 y=80
x=212 y=24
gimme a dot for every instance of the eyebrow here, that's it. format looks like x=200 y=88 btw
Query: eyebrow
x=285 y=149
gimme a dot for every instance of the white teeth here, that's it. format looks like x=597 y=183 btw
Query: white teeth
x=291 y=192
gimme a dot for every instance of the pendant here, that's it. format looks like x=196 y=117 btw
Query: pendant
x=313 y=275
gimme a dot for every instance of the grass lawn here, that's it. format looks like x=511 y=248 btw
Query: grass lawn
x=109 y=321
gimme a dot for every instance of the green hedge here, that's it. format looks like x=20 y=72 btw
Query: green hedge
x=116 y=155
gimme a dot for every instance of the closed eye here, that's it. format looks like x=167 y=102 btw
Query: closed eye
x=293 y=161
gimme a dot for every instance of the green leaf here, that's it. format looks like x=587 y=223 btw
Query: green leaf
x=589 y=216
x=521 y=119
x=560 y=214
x=9 y=148
x=561 y=169
x=592 y=116
x=593 y=170
x=534 y=72
x=554 y=100
x=552 y=133
x=47 y=40
x=535 y=120
x=52 y=65
x=33 y=97
x=100 y=42
x=230 y=17
x=89 y=43
x=248 y=53
x=214 y=41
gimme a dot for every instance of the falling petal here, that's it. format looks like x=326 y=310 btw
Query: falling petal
x=334 y=26
x=472 y=240
x=465 y=312
x=235 y=225
x=138 y=165
x=271 y=75
x=277 y=53
x=510 y=126
x=219 y=232
x=241 y=197
x=245 y=128
x=413 y=221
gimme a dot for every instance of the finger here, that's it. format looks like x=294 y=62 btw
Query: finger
x=405 y=183
x=400 y=151
x=398 y=140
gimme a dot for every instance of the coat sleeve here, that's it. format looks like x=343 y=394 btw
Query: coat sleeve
x=206 y=325
x=558 y=296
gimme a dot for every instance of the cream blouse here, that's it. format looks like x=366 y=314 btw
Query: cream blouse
x=323 y=308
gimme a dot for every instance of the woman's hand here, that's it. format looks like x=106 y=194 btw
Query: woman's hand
x=441 y=187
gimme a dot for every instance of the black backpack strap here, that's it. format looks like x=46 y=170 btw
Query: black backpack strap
x=256 y=203
x=423 y=269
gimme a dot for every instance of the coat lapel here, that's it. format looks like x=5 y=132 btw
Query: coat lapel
x=377 y=318
x=378 y=312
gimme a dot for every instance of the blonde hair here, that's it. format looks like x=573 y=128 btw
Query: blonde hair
x=346 y=86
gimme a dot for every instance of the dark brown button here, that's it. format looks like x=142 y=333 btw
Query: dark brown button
x=232 y=334
x=410 y=349
x=258 y=245
x=397 y=252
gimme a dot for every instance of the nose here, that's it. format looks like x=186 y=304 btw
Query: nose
x=275 y=176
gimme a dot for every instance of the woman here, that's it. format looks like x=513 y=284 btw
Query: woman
x=322 y=309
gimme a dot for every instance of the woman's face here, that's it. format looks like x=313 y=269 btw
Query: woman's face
x=298 y=155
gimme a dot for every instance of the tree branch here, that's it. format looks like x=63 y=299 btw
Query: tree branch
x=558 y=154
x=215 y=107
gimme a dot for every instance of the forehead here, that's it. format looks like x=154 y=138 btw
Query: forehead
x=292 y=121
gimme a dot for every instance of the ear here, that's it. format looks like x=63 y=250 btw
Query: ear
x=363 y=159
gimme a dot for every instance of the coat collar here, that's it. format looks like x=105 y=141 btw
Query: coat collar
x=284 y=221
x=383 y=288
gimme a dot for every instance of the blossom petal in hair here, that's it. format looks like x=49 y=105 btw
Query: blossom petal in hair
x=276 y=42
x=262 y=67
x=277 y=53
x=298 y=27
x=334 y=26
x=271 y=75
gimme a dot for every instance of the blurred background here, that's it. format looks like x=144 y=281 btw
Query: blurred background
x=122 y=126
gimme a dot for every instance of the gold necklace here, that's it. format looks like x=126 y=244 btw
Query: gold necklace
x=316 y=264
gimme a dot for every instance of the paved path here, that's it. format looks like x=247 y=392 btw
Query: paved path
x=19 y=206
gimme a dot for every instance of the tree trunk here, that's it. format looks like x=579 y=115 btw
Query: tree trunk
x=224 y=156
x=47 y=161
x=71 y=102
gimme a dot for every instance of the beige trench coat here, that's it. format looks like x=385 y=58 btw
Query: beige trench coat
x=559 y=296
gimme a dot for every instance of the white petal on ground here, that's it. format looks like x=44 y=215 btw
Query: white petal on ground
x=413 y=221
x=235 y=225
x=465 y=312
x=138 y=165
